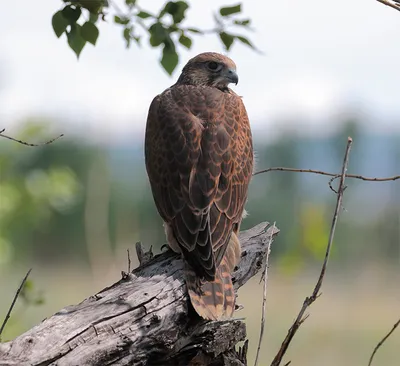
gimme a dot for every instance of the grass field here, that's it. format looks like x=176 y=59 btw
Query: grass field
x=355 y=311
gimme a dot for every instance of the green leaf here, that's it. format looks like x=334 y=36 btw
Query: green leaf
x=137 y=40
x=94 y=6
x=245 y=41
x=144 y=15
x=230 y=10
x=227 y=39
x=119 y=20
x=185 y=41
x=72 y=14
x=93 y=17
x=169 y=59
x=176 y=9
x=75 y=40
x=89 y=33
x=158 y=34
x=127 y=36
x=130 y=2
x=194 y=30
x=59 y=23
x=244 y=23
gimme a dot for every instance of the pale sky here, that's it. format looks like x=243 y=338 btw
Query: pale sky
x=319 y=57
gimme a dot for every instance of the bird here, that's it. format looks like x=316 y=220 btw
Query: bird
x=199 y=162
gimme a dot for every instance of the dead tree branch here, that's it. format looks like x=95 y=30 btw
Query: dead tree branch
x=309 y=300
x=143 y=319
x=383 y=341
x=14 y=301
x=27 y=143
x=334 y=175
x=393 y=4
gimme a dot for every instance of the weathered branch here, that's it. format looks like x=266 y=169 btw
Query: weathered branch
x=14 y=301
x=382 y=341
x=310 y=300
x=393 y=4
x=28 y=143
x=334 y=175
x=143 y=319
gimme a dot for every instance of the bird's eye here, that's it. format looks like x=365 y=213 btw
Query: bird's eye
x=212 y=65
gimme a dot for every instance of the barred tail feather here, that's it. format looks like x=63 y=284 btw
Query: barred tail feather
x=215 y=300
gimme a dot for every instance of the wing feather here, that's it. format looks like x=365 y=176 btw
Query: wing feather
x=199 y=159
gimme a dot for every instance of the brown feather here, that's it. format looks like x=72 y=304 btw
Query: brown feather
x=199 y=159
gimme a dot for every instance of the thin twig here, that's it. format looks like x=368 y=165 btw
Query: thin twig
x=355 y=176
x=383 y=341
x=394 y=5
x=27 y=143
x=264 y=303
x=129 y=261
x=330 y=183
x=315 y=294
x=14 y=301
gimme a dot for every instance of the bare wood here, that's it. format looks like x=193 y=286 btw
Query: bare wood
x=383 y=340
x=14 y=301
x=143 y=319
x=315 y=294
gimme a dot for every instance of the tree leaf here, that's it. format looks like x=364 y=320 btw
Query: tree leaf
x=244 y=23
x=119 y=20
x=144 y=15
x=245 y=41
x=130 y=2
x=169 y=59
x=75 y=40
x=59 y=23
x=94 y=6
x=158 y=34
x=127 y=36
x=93 y=17
x=89 y=33
x=176 y=9
x=194 y=30
x=185 y=41
x=72 y=14
x=229 y=10
x=227 y=39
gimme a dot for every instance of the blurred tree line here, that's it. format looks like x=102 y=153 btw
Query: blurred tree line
x=75 y=202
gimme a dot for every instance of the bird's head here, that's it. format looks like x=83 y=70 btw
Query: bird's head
x=209 y=69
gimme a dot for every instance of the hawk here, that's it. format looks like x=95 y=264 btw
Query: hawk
x=199 y=160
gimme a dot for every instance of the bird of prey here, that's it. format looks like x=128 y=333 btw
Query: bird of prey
x=199 y=160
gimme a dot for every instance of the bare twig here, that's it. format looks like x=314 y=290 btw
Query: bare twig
x=330 y=183
x=13 y=302
x=315 y=294
x=27 y=143
x=129 y=261
x=393 y=4
x=264 y=303
x=355 y=176
x=383 y=341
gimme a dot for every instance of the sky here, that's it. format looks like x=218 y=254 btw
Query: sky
x=319 y=58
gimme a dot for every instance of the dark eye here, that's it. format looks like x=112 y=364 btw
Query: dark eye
x=212 y=65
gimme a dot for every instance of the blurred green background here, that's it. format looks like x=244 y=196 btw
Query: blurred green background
x=71 y=209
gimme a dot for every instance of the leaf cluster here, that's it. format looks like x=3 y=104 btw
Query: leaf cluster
x=78 y=19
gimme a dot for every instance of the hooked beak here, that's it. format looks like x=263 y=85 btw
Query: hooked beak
x=231 y=76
